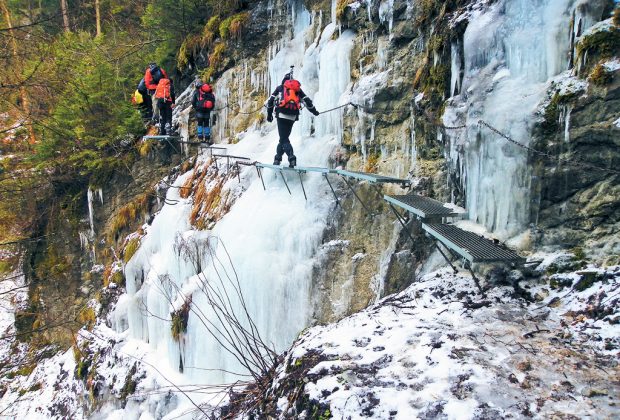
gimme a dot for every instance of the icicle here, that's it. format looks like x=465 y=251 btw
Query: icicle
x=91 y=217
x=455 y=69
x=84 y=239
x=414 y=148
x=100 y=193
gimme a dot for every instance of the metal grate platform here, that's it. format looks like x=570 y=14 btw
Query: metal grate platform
x=160 y=137
x=469 y=245
x=423 y=207
x=300 y=169
x=373 y=178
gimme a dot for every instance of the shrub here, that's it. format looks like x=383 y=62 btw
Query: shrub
x=600 y=76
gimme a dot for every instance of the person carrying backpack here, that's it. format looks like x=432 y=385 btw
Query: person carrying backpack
x=146 y=107
x=165 y=97
x=203 y=102
x=289 y=97
x=152 y=76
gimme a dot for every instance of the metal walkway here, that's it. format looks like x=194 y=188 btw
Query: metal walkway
x=360 y=176
x=470 y=246
x=423 y=207
x=373 y=178
x=299 y=169
x=156 y=137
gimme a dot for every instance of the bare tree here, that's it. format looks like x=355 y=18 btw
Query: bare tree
x=65 y=15
x=25 y=101
x=98 y=16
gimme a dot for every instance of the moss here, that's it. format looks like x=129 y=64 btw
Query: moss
x=87 y=318
x=25 y=370
x=188 y=49
x=588 y=278
x=35 y=387
x=82 y=368
x=145 y=147
x=341 y=7
x=372 y=163
x=129 y=387
x=128 y=214
x=131 y=248
x=5 y=267
x=238 y=24
x=600 y=76
x=224 y=29
x=578 y=254
x=118 y=278
x=602 y=44
x=179 y=320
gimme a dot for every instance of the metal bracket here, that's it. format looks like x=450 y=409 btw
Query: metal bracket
x=301 y=181
x=356 y=196
x=285 y=183
x=333 y=191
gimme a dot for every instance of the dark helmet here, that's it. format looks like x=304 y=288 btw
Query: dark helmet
x=153 y=66
x=198 y=83
x=287 y=76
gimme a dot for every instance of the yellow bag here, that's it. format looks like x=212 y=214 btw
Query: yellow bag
x=137 y=98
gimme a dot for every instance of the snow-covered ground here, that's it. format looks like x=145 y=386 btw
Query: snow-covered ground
x=441 y=349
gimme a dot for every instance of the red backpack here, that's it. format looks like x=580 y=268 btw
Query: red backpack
x=290 y=97
x=204 y=101
x=163 y=90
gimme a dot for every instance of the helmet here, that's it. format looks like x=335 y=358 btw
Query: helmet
x=152 y=66
x=198 y=83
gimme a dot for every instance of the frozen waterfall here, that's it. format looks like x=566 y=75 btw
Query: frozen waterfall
x=268 y=238
x=511 y=51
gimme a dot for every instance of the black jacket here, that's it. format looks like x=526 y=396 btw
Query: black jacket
x=278 y=94
x=209 y=96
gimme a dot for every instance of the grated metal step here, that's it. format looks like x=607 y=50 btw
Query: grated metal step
x=373 y=178
x=469 y=245
x=423 y=207
x=160 y=137
x=300 y=169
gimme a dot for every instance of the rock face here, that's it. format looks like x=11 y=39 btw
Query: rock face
x=580 y=186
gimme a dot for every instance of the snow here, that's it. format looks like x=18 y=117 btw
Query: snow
x=441 y=349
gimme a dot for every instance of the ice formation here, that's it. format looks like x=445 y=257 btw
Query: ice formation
x=269 y=238
x=506 y=76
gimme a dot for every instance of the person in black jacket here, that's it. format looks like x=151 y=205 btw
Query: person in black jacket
x=146 y=107
x=289 y=97
x=203 y=102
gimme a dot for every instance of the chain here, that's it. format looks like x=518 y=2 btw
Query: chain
x=545 y=154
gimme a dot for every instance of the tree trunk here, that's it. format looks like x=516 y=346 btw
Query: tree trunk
x=25 y=101
x=98 y=17
x=65 y=15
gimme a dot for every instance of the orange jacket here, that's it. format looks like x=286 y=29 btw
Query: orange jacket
x=150 y=81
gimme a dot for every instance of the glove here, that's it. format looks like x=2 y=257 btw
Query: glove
x=269 y=117
x=314 y=111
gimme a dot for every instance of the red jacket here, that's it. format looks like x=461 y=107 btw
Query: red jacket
x=151 y=83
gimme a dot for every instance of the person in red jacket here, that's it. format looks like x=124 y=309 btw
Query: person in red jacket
x=152 y=76
x=165 y=98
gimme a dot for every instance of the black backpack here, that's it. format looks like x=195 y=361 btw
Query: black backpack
x=205 y=102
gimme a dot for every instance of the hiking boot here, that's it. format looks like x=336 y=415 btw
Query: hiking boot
x=292 y=162
x=276 y=162
x=168 y=129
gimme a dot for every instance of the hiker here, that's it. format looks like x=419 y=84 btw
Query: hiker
x=164 y=95
x=146 y=106
x=203 y=102
x=289 y=95
x=152 y=76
